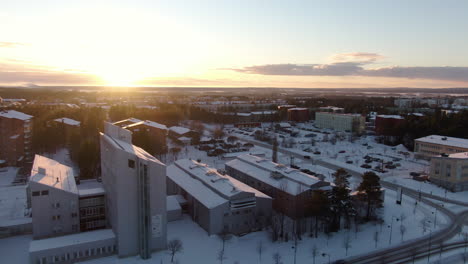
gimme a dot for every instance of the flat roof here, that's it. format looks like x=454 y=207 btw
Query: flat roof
x=70 y=240
x=292 y=180
x=462 y=155
x=90 y=188
x=15 y=115
x=179 y=130
x=172 y=204
x=52 y=173
x=443 y=140
x=68 y=121
x=224 y=185
x=391 y=116
x=137 y=151
x=195 y=188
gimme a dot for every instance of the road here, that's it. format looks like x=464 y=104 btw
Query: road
x=410 y=249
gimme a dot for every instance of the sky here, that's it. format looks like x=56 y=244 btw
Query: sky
x=243 y=43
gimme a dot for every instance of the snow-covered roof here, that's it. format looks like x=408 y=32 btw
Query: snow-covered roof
x=54 y=174
x=156 y=125
x=194 y=187
x=224 y=185
x=128 y=120
x=15 y=115
x=284 y=125
x=298 y=109
x=446 y=141
x=179 y=130
x=132 y=149
x=236 y=154
x=391 y=116
x=70 y=240
x=90 y=188
x=68 y=121
x=462 y=155
x=292 y=180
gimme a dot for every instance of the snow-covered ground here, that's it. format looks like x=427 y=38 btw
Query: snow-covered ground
x=12 y=200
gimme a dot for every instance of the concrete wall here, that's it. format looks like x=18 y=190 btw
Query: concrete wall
x=44 y=208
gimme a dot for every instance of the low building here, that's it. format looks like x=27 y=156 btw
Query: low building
x=15 y=138
x=298 y=114
x=218 y=203
x=290 y=189
x=450 y=171
x=435 y=145
x=174 y=209
x=354 y=123
x=389 y=127
x=332 y=109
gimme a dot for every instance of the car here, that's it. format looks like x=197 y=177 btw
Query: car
x=349 y=161
x=295 y=166
x=368 y=161
x=317 y=152
x=414 y=174
x=306 y=157
x=342 y=151
x=366 y=166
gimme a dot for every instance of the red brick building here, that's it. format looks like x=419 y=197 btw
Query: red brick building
x=15 y=138
x=298 y=114
x=387 y=125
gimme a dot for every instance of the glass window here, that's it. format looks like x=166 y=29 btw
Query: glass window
x=131 y=163
x=36 y=193
x=46 y=192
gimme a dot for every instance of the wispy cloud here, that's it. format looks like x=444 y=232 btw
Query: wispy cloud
x=18 y=73
x=10 y=44
x=353 y=64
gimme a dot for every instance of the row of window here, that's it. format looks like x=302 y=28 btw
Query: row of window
x=39 y=193
x=76 y=255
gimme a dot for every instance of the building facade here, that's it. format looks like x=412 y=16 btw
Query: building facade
x=15 y=138
x=135 y=185
x=450 y=171
x=218 y=203
x=353 y=123
x=435 y=145
x=298 y=114
x=290 y=189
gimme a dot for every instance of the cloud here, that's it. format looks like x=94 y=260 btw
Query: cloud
x=20 y=73
x=9 y=44
x=357 y=69
x=356 y=57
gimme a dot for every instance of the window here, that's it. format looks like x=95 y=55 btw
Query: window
x=131 y=163
x=46 y=192
x=36 y=193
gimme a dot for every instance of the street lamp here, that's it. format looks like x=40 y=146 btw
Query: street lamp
x=391 y=229
x=326 y=254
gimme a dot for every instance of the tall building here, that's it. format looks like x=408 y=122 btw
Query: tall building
x=15 y=138
x=450 y=171
x=218 y=203
x=435 y=145
x=354 y=123
x=135 y=185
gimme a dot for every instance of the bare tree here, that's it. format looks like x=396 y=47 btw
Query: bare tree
x=174 y=246
x=402 y=218
x=277 y=258
x=347 y=243
x=221 y=256
x=314 y=252
x=224 y=236
x=402 y=231
x=376 y=238
x=260 y=250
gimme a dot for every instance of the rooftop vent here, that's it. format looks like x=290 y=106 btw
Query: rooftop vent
x=276 y=175
x=444 y=138
x=211 y=173
x=41 y=171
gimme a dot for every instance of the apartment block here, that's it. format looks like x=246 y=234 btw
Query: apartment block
x=450 y=171
x=135 y=185
x=15 y=138
x=354 y=123
x=218 y=203
x=290 y=189
x=435 y=145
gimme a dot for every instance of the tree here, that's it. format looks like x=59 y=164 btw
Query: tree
x=274 y=156
x=218 y=133
x=347 y=243
x=314 y=252
x=341 y=200
x=174 y=246
x=402 y=231
x=376 y=238
x=224 y=236
x=277 y=258
x=260 y=250
x=221 y=256
x=89 y=159
x=370 y=191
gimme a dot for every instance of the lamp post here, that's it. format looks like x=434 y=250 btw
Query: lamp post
x=326 y=254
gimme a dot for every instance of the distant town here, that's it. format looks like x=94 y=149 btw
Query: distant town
x=233 y=175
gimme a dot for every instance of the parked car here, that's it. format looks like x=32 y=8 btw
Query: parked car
x=366 y=166
x=342 y=151
x=317 y=152
x=306 y=157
